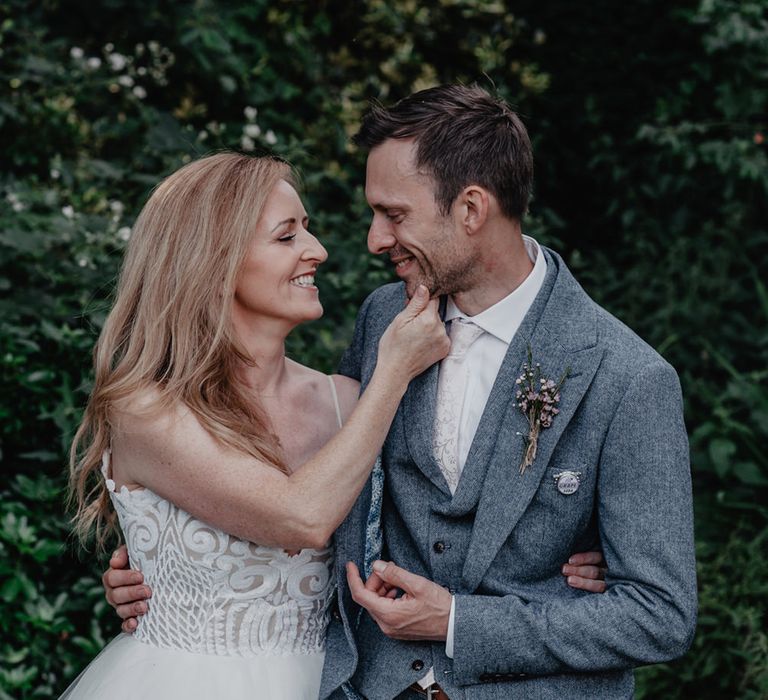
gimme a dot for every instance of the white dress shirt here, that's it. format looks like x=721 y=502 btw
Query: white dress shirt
x=500 y=323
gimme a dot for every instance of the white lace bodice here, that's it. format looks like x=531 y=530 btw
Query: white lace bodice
x=214 y=593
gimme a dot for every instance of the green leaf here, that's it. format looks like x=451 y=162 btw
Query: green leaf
x=720 y=452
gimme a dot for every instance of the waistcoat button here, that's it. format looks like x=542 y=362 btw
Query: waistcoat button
x=417 y=665
x=439 y=547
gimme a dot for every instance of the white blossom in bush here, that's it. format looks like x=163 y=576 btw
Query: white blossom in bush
x=117 y=61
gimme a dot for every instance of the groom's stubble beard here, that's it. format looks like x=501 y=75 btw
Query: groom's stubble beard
x=449 y=270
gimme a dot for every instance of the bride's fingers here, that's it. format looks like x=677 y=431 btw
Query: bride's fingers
x=586 y=584
x=583 y=558
x=592 y=572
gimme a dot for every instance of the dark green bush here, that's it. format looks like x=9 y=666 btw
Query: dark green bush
x=649 y=124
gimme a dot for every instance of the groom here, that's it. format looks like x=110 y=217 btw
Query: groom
x=477 y=533
x=464 y=598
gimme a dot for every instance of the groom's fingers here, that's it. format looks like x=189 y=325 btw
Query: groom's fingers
x=360 y=594
x=379 y=586
x=374 y=583
x=397 y=577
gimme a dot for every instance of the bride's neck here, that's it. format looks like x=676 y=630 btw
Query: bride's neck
x=268 y=368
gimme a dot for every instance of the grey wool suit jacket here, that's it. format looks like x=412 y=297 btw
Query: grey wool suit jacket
x=500 y=541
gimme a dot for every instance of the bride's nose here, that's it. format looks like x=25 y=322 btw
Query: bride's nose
x=314 y=250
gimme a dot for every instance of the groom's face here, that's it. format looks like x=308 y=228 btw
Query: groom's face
x=424 y=246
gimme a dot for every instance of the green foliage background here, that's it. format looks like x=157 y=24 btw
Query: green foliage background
x=649 y=124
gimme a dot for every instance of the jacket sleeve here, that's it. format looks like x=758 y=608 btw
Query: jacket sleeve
x=645 y=520
x=351 y=364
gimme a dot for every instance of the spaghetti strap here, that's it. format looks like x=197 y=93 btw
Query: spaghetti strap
x=335 y=399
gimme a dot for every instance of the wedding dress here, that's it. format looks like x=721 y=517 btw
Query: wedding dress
x=228 y=619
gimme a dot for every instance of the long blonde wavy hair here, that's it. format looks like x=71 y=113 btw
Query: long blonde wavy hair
x=170 y=326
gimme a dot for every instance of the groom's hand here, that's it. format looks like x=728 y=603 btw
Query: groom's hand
x=422 y=611
x=124 y=590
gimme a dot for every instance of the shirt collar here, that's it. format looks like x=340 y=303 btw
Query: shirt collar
x=504 y=318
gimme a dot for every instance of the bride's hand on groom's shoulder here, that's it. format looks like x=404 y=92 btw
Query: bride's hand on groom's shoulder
x=125 y=590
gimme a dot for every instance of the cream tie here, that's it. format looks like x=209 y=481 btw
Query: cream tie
x=451 y=384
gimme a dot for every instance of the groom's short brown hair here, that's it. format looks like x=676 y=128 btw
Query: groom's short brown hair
x=464 y=136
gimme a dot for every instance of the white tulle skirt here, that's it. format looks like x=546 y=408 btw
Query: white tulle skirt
x=129 y=670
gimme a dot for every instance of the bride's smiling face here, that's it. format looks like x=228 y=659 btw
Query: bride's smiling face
x=277 y=277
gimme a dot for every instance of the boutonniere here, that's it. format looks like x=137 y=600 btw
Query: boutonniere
x=537 y=397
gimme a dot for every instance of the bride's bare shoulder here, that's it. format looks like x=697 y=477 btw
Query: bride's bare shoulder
x=147 y=410
x=348 y=391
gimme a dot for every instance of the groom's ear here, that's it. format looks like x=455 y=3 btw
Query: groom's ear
x=475 y=205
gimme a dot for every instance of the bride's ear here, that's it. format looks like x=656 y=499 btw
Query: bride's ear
x=475 y=205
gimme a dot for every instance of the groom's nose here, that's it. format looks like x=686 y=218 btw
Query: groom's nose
x=380 y=236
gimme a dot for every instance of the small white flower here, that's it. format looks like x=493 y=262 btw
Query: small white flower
x=82 y=262
x=93 y=62
x=15 y=202
x=76 y=52
x=202 y=135
x=117 y=61
x=247 y=143
x=141 y=70
x=250 y=113
x=125 y=80
x=270 y=137
x=68 y=212
x=55 y=174
x=124 y=233
x=140 y=92
x=108 y=48
x=153 y=46
x=116 y=206
x=252 y=130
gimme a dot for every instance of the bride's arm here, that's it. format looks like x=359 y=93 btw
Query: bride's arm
x=174 y=456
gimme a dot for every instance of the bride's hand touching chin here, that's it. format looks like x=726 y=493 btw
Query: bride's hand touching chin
x=415 y=339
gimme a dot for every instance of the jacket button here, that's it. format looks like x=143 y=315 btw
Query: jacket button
x=417 y=665
x=439 y=547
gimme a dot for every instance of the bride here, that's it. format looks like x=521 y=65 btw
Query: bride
x=204 y=439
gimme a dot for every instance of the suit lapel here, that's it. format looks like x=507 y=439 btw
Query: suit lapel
x=419 y=415
x=561 y=331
